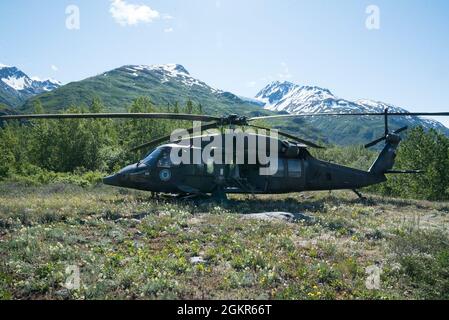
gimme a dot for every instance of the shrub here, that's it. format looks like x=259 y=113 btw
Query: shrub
x=424 y=260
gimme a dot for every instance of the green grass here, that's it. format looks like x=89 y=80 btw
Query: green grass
x=129 y=246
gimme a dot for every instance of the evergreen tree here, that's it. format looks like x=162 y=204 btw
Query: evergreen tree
x=200 y=108
x=137 y=132
x=8 y=139
x=427 y=151
x=176 y=108
x=189 y=107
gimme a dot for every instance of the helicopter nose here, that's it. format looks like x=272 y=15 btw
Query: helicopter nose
x=111 y=180
x=125 y=176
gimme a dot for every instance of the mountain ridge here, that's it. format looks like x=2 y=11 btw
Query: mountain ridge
x=16 y=86
x=295 y=99
x=164 y=84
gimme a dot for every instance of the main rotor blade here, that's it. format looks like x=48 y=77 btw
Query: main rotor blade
x=386 y=114
x=372 y=144
x=165 y=116
x=287 y=135
x=401 y=130
x=160 y=140
x=375 y=142
x=392 y=114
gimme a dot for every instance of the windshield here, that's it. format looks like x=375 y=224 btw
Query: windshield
x=152 y=157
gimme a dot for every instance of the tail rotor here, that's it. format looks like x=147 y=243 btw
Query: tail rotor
x=388 y=135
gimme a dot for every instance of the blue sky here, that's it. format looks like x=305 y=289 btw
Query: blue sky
x=240 y=46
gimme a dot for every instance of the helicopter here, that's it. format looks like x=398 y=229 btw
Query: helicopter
x=296 y=170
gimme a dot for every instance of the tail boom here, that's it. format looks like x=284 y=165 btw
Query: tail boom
x=386 y=159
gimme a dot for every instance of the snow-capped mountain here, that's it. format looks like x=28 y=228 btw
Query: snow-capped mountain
x=45 y=85
x=17 y=80
x=16 y=86
x=165 y=85
x=294 y=99
x=167 y=73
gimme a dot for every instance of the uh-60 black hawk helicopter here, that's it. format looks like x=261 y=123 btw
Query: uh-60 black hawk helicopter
x=296 y=169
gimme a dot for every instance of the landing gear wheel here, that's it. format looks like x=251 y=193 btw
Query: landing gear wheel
x=361 y=197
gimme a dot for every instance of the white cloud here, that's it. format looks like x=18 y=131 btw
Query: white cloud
x=54 y=68
x=127 y=14
x=168 y=30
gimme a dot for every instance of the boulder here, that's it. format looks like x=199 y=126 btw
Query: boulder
x=280 y=216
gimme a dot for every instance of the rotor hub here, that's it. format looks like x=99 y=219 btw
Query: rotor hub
x=235 y=119
x=393 y=138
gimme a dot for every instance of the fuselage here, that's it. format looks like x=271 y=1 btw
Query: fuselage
x=300 y=172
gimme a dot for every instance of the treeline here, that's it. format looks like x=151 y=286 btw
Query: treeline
x=46 y=148
x=427 y=151
x=83 y=145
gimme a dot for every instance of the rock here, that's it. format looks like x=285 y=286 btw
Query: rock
x=63 y=294
x=282 y=216
x=197 y=260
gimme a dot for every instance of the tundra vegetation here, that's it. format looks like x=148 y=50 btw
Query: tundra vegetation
x=129 y=246
x=55 y=215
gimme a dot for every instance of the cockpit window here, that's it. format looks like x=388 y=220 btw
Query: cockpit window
x=164 y=159
x=152 y=157
x=161 y=157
